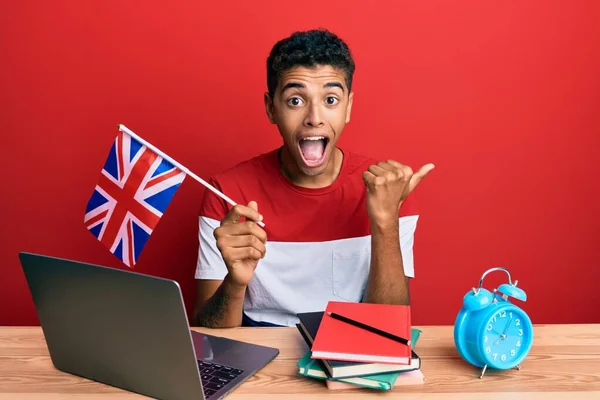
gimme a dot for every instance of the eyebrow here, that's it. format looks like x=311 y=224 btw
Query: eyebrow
x=292 y=85
x=302 y=86
x=334 y=84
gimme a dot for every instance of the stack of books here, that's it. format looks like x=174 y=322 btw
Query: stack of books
x=354 y=345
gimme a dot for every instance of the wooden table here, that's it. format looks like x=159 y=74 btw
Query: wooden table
x=564 y=360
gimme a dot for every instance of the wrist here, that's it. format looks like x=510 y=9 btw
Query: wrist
x=233 y=289
x=385 y=224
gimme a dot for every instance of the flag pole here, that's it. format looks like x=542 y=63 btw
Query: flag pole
x=123 y=128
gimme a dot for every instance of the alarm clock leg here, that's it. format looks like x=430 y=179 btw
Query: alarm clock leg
x=518 y=367
x=483 y=371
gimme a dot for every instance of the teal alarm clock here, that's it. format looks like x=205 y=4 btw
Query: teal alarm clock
x=490 y=331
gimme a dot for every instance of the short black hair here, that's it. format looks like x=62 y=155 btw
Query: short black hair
x=308 y=49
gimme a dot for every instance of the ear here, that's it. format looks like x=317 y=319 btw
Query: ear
x=269 y=108
x=349 y=106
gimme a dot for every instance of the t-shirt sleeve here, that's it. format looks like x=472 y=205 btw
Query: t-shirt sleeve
x=408 y=217
x=210 y=264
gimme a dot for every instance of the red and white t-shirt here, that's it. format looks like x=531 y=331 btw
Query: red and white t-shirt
x=318 y=240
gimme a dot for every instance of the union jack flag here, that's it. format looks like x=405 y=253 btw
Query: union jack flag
x=135 y=187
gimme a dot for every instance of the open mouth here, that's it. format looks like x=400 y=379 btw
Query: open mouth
x=312 y=149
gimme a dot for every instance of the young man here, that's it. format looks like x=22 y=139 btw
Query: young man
x=338 y=226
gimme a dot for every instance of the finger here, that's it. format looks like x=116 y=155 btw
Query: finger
x=373 y=181
x=425 y=169
x=252 y=205
x=406 y=173
x=368 y=178
x=242 y=253
x=395 y=163
x=239 y=211
x=403 y=172
x=377 y=170
x=386 y=172
x=241 y=229
x=234 y=215
x=420 y=175
x=242 y=241
x=385 y=165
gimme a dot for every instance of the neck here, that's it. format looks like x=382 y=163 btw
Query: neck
x=294 y=174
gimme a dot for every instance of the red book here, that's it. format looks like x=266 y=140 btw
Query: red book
x=339 y=340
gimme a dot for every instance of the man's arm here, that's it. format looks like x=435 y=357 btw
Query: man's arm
x=388 y=185
x=387 y=284
x=219 y=304
x=229 y=252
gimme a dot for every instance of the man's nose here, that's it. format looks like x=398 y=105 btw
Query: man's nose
x=314 y=118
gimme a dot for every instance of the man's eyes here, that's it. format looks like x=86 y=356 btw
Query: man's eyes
x=297 y=101
x=331 y=101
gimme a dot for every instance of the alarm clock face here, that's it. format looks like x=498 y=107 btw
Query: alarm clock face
x=506 y=338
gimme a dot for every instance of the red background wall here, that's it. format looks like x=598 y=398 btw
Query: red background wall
x=502 y=96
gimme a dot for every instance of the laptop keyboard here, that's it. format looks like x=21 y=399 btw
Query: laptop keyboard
x=215 y=376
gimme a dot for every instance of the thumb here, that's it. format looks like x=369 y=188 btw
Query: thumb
x=421 y=173
x=253 y=205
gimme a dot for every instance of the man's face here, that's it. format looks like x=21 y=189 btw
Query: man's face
x=311 y=106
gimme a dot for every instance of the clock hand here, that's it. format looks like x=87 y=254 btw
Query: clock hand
x=496 y=332
x=503 y=335
x=507 y=325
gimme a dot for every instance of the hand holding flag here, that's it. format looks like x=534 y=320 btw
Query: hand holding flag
x=136 y=185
